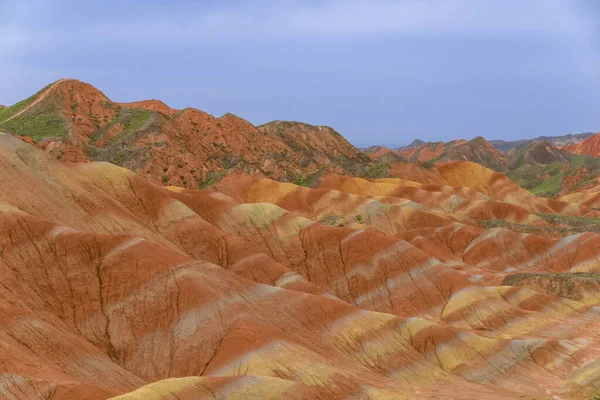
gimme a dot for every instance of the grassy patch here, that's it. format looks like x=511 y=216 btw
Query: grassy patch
x=8 y=112
x=93 y=152
x=560 y=225
x=302 y=180
x=379 y=170
x=40 y=125
x=209 y=178
x=584 y=223
x=549 y=186
x=332 y=220
x=39 y=122
x=136 y=119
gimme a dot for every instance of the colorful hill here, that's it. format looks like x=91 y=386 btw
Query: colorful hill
x=557 y=141
x=589 y=147
x=75 y=122
x=113 y=286
x=547 y=171
x=476 y=150
x=536 y=165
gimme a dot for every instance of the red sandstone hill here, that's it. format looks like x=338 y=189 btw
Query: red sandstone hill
x=476 y=150
x=76 y=122
x=112 y=286
x=589 y=147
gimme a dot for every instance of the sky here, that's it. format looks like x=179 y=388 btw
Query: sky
x=378 y=71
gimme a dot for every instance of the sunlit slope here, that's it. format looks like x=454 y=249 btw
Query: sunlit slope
x=114 y=287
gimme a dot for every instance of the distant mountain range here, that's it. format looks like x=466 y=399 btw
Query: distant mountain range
x=547 y=166
x=565 y=140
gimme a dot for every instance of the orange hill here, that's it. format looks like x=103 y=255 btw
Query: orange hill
x=590 y=147
x=75 y=122
x=476 y=150
x=115 y=287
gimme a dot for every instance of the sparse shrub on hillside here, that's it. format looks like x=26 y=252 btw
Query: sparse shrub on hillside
x=119 y=159
x=358 y=218
x=8 y=112
x=92 y=151
x=308 y=180
x=380 y=170
x=428 y=165
x=136 y=120
x=74 y=107
x=332 y=220
x=302 y=180
x=165 y=179
x=42 y=123
x=209 y=178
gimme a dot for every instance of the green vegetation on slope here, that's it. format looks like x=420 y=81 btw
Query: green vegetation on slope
x=560 y=225
x=8 y=112
x=547 y=180
x=119 y=150
x=209 y=178
x=41 y=121
x=380 y=170
x=38 y=126
x=135 y=119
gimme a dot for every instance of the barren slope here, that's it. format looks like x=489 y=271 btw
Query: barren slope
x=360 y=288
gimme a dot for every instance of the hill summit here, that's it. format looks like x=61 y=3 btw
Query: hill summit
x=76 y=122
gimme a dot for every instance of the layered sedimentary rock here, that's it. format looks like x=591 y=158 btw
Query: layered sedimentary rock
x=113 y=286
x=74 y=122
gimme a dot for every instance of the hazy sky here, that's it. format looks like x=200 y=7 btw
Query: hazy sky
x=379 y=71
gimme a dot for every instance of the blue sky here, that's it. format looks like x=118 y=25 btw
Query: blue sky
x=379 y=71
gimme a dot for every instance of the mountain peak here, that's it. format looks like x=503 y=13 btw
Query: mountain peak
x=589 y=147
x=414 y=144
x=151 y=105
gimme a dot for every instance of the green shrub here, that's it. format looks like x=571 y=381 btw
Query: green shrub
x=380 y=170
x=209 y=178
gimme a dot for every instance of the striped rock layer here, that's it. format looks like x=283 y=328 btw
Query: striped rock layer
x=113 y=287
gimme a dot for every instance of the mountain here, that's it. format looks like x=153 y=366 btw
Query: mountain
x=413 y=145
x=589 y=147
x=536 y=165
x=533 y=153
x=476 y=150
x=397 y=288
x=558 y=141
x=76 y=122
x=548 y=171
